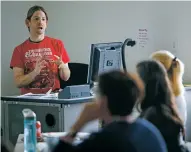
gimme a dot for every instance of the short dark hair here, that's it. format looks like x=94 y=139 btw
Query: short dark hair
x=35 y=8
x=122 y=91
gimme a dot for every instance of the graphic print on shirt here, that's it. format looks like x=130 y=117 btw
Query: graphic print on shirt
x=46 y=78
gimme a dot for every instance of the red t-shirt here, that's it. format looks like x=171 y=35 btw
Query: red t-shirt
x=25 y=56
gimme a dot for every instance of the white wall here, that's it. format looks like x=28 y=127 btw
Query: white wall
x=79 y=24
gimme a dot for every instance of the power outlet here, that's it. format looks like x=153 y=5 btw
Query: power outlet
x=174 y=47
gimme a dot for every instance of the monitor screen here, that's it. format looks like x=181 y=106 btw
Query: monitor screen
x=104 y=57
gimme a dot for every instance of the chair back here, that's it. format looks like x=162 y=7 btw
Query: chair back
x=78 y=76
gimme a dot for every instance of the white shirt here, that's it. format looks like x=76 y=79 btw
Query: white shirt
x=182 y=107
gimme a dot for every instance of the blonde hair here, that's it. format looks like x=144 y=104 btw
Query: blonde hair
x=174 y=67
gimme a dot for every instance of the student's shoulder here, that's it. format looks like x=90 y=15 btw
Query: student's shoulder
x=117 y=128
x=110 y=132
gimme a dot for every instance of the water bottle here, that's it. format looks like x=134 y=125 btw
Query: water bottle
x=29 y=130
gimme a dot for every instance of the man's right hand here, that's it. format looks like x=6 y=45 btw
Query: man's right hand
x=39 y=65
x=21 y=79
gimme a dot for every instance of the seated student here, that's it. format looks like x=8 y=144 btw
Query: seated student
x=115 y=98
x=175 y=70
x=158 y=105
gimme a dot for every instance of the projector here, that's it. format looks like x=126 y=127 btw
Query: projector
x=75 y=91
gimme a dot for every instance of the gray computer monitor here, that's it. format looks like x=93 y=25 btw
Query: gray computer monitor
x=103 y=57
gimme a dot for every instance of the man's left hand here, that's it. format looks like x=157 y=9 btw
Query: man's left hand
x=59 y=60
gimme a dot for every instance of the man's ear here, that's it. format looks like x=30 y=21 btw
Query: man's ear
x=46 y=24
x=27 y=23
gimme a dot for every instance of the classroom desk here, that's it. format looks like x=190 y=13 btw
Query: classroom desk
x=42 y=145
x=55 y=115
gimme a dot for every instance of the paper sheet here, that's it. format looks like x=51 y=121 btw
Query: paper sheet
x=142 y=37
x=41 y=96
